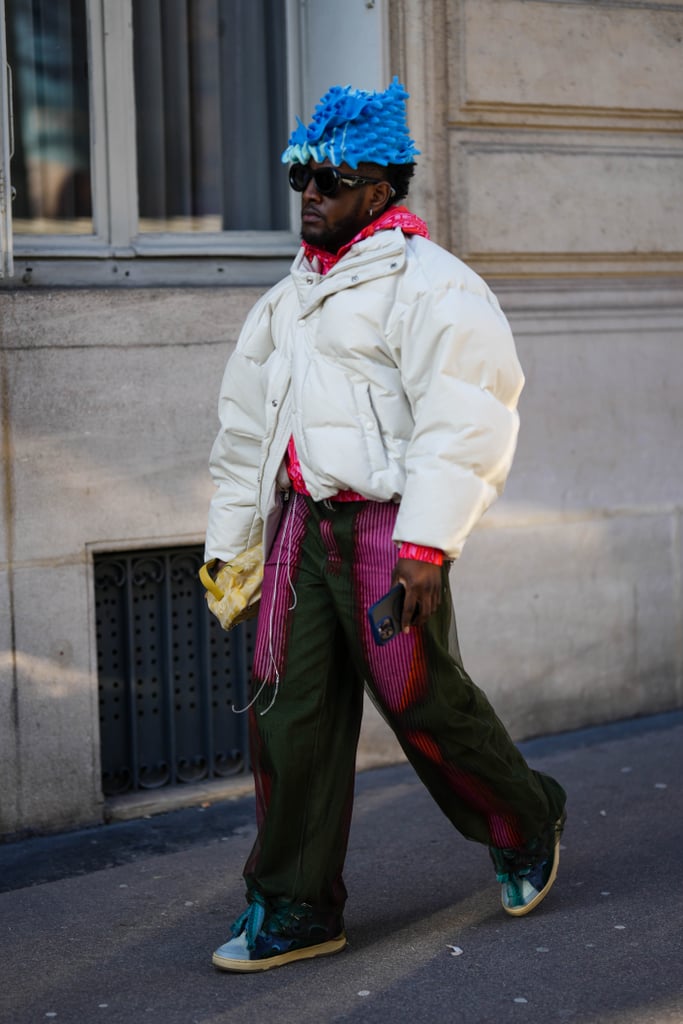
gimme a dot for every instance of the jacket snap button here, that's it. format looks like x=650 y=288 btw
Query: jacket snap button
x=354 y=278
x=274 y=403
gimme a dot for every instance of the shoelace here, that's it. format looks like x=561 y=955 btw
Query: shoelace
x=520 y=862
x=510 y=863
x=251 y=921
x=513 y=874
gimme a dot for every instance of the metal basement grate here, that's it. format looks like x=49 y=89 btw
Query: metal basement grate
x=168 y=674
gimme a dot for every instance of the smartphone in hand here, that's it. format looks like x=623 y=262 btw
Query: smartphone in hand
x=385 y=615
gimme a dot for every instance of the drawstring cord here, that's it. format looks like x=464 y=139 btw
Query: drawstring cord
x=286 y=534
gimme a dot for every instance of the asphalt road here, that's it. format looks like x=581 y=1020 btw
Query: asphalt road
x=116 y=925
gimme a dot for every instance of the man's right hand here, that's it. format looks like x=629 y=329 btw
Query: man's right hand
x=422 y=582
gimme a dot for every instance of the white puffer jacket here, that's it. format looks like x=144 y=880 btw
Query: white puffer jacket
x=396 y=373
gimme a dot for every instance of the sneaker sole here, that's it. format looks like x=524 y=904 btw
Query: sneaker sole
x=307 y=953
x=521 y=911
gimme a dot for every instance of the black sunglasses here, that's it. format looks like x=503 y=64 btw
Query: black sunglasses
x=327 y=180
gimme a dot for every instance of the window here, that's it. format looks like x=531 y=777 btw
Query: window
x=211 y=105
x=152 y=128
x=47 y=51
x=195 y=93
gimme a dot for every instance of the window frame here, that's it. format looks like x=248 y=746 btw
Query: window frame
x=6 y=146
x=116 y=252
x=113 y=168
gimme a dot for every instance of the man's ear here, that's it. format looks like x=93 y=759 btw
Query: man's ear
x=380 y=196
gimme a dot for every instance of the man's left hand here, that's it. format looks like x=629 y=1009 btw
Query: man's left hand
x=422 y=582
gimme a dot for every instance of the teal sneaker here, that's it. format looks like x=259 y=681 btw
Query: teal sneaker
x=265 y=937
x=526 y=875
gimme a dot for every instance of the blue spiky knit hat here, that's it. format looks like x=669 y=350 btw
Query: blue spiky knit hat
x=354 y=126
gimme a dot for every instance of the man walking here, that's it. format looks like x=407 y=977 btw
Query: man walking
x=368 y=420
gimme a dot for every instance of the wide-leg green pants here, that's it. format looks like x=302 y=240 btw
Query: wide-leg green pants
x=314 y=653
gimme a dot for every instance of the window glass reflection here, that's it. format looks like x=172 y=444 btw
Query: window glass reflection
x=211 y=106
x=47 y=42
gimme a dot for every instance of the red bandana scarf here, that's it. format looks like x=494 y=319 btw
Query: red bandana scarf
x=395 y=217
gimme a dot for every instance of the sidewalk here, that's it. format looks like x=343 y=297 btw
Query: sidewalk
x=116 y=925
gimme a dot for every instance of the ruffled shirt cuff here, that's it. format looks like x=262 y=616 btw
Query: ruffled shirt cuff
x=421 y=553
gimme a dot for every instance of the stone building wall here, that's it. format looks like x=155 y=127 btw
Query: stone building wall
x=552 y=163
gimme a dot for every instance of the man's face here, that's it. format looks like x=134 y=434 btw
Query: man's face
x=329 y=222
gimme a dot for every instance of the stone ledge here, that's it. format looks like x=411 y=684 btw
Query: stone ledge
x=160 y=801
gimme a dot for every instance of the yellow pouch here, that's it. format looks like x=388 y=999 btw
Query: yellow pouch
x=234 y=594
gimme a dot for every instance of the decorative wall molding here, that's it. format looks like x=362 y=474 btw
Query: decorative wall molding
x=597 y=307
x=568 y=144
x=607 y=119
x=673 y=5
x=544 y=159
x=523 y=63
x=571 y=203
x=535 y=266
x=418 y=34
